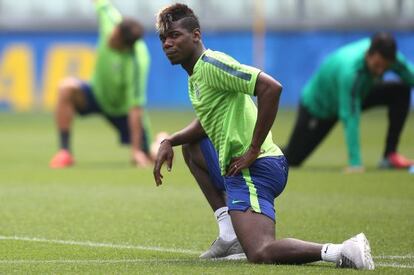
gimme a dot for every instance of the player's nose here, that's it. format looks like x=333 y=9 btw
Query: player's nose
x=168 y=43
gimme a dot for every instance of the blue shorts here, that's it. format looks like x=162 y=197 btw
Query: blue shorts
x=118 y=122
x=255 y=188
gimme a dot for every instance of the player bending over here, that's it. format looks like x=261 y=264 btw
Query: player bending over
x=117 y=90
x=347 y=83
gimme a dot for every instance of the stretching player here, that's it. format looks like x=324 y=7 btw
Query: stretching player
x=117 y=90
x=348 y=82
x=249 y=166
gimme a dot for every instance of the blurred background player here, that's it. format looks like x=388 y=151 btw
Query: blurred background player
x=350 y=81
x=229 y=147
x=117 y=89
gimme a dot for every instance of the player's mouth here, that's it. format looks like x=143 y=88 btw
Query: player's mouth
x=170 y=54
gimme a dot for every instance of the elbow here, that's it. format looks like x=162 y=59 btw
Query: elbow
x=278 y=87
x=268 y=85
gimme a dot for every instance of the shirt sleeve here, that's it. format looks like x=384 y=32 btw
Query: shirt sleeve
x=138 y=75
x=230 y=76
x=349 y=113
x=404 y=69
x=108 y=16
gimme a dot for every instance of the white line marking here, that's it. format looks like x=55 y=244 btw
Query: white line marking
x=148 y=248
x=394 y=257
x=123 y=261
x=120 y=261
x=93 y=244
x=393 y=265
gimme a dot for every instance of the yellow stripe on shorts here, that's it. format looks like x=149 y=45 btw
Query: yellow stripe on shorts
x=254 y=201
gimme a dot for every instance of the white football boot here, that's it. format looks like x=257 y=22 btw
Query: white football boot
x=224 y=250
x=356 y=253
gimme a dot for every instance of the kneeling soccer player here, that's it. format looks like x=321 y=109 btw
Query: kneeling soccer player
x=229 y=147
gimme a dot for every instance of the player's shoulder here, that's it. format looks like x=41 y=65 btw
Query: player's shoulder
x=351 y=51
x=216 y=57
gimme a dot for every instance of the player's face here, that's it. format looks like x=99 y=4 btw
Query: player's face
x=178 y=43
x=377 y=64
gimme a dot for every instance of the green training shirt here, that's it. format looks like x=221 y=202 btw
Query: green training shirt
x=339 y=86
x=220 y=91
x=119 y=81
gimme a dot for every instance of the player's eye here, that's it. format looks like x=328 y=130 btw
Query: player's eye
x=175 y=34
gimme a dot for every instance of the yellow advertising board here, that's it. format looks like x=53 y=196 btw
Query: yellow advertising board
x=18 y=85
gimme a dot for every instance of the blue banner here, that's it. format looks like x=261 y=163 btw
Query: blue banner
x=32 y=64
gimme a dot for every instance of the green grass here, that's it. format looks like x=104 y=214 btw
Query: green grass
x=116 y=217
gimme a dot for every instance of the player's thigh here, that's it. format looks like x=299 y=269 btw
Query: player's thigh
x=254 y=230
x=210 y=162
x=257 y=186
x=73 y=89
x=386 y=93
x=193 y=154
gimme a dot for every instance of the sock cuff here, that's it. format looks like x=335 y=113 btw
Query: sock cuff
x=324 y=250
x=221 y=212
x=331 y=252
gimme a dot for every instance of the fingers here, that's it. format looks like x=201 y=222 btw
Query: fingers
x=234 y=168
x=158 y=165
x=169 y=163
x=157 y=172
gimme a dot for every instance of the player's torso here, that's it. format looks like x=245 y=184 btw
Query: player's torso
x=227 y=116
x=111 y=76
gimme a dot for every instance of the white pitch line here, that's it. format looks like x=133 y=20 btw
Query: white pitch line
x=394 y=265
x=148 y=248
x=93 y=244
x=394 y=257
x=119 y=261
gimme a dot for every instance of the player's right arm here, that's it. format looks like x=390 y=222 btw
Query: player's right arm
x=192 y=133
x=108 y=16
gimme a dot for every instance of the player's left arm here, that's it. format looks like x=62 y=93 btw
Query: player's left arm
x=267 y=91
x=138 y=156
x=137 y=86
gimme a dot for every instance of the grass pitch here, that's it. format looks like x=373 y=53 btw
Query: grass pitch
x=104 y=216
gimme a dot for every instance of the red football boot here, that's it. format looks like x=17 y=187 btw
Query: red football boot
x=396 y=161
x=62 y=159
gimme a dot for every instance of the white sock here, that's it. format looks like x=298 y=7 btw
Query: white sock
x=226 y=231
x=331 y=252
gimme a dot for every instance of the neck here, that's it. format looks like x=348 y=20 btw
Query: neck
x=192 y=60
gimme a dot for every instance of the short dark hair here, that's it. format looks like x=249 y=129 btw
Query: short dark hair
x=131 y=31
x=176 y=12
x=384 y=44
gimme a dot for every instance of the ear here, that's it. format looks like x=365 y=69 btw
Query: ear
x=196 y=35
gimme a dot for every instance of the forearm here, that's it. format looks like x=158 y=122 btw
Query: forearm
x=135 y=127
x=193 y=132
x=268 y=93
x=352 y=141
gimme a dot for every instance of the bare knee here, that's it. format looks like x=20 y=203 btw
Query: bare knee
x=261 y=255
x=67 y=87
